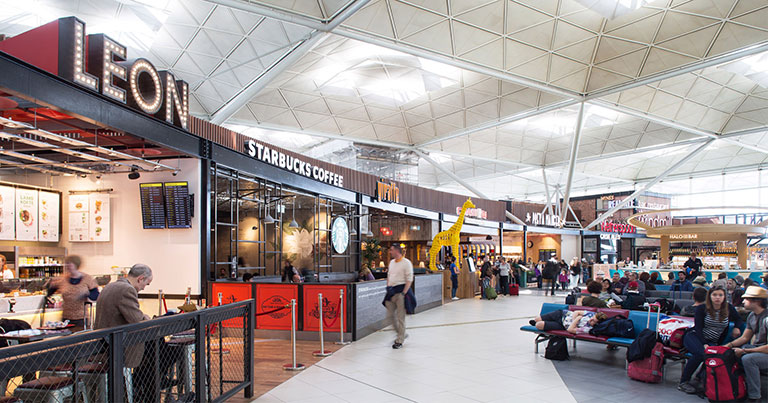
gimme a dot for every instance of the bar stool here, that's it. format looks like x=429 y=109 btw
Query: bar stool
x=49 y=389
x=95 y=379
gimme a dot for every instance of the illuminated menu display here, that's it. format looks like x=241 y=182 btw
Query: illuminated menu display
x=152 y=205
x=177 y=204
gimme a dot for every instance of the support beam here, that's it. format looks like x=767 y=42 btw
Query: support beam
x=503 y=121
x=572 y=162
x=514 y=218
x=546 y=190
x=574 y=216
x=713 y=61
x=451 y=174
x=650 y=184
x=293 y=55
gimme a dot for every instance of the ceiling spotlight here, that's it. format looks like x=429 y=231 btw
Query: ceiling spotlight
x=134 y=173
x=174 y=173
x=254 y=228
x=268 y=219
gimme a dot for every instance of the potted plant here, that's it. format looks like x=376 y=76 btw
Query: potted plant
x=370 y=252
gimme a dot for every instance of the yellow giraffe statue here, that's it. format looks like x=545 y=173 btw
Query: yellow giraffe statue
x=449 y=237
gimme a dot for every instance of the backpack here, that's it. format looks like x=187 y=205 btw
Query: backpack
x=557 y=349
x=633 y=302
x=666 y=306
x=642 y=346
x=648 y=369
x=724 y=378
x=617 y=326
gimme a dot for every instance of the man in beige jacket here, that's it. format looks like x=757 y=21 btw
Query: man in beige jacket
x=118 y=304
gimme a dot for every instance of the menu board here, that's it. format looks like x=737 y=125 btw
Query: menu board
x=7 y=210
x=49 y=217
x=99 y=217
x=78 y=218
x=26 y=215
x=177 y=204
x=152 y=205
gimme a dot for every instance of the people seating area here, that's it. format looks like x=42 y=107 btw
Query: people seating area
x=640 y=321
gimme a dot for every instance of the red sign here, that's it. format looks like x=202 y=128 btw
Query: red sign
x=385 y=231
x=269 y=298
x=331 y=307
x=621 y=228
x=101 y=64
x=231 y=293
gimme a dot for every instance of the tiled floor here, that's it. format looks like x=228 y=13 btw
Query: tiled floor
x=470 y=351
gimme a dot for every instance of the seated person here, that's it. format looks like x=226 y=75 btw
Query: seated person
x=593 y=299
x=605 y=292
x=699 y=298
x=753 y=344
x=655 y=279
x=670 y=278
x=722 y=281
x=634 y=299
x=616 y=285
x=682 y=283
x=633 y=278
x=645 y=278
x=574 y=322
x=699 y=282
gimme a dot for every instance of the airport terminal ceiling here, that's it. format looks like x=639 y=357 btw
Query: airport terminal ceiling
x=479 y=97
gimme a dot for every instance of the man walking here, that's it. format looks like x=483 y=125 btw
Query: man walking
x=399 y=280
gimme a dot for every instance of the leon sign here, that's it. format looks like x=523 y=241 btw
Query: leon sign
x=101 y=64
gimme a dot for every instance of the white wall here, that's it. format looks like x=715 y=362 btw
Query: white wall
x=173 y=254
x=570 y=247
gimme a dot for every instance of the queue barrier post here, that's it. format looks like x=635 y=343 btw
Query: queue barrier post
x=322 y=352
x=341 y=317
x=219 y=299
x=159 y=302
x=293 y=366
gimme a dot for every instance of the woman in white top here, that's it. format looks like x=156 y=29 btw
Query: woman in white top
x=504 y=268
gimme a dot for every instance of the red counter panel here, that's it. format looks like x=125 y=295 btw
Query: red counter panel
x=272 y=296
x=331 y=307
x=230 y=293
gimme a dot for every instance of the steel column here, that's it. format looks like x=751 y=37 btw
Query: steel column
x=572 y=162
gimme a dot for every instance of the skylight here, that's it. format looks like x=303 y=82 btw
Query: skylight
x=611 y=9
x=754 y=68
x=382 y=75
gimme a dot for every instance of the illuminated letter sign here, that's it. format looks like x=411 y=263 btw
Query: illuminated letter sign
x=387 y=192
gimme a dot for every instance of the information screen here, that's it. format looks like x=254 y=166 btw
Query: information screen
x=177 y=204
x=152 y=205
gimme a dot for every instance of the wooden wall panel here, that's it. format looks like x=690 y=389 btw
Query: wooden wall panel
x=356 y=181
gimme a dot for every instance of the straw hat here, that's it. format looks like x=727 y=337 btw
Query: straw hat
x=755 y=292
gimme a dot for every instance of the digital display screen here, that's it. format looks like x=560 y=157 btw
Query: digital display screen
x=177 y=205
x=152 y=205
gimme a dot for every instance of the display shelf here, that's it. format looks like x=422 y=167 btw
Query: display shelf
x=39 y=261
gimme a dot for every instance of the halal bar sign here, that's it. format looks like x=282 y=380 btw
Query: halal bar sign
x=101 y=64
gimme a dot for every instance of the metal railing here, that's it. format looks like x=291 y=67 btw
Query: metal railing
x=202 y=356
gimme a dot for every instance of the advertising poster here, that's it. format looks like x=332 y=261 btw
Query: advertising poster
x=7 y=210
x=273 y=298
x=49 y=216
x=99 y=217
x=331 y=307
x=78 y=218
x=26 y=215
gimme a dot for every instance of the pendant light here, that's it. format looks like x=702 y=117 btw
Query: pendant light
x=293 y=223
x=268 y=219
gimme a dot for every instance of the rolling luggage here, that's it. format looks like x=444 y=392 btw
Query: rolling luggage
x=514 y=289
x=490 y=293
x=648 y=368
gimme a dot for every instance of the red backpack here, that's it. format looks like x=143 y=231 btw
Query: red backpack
x=724 y=380
x=648 y=369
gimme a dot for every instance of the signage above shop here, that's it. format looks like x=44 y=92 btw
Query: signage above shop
x=387 y=192
x=621 y=228
x=610 y=237
x=683 y=236
x=101 y=64
x=542 y=219
x=288 y=162
x=473 y=212
x=385 y=231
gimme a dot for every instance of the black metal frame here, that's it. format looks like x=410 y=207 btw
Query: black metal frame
x=65 y=350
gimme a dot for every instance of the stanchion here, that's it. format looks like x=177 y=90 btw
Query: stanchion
x=322 y=352
x=219 y=299
x=341 y=318
x=159 y=302
x=293 y=366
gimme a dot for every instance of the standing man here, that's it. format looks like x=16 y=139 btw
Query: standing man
x=486 y=271
x=693 y=266
x=451 y=263
x=754 y=356
x=118 y=304
x=550 y=272
x=399 y=280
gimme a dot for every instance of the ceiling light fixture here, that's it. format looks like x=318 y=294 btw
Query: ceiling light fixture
x=611 y=9
x=293 y=223
x=134 y=173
